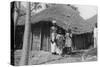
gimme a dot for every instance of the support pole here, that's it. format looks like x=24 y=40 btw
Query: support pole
x=26 y=41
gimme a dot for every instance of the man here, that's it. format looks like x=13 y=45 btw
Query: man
x=53 y=43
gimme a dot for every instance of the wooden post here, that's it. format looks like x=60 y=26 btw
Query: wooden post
x=26 y=41
x=95 y=37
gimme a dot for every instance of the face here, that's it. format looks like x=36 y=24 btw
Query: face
x=54 y=21
x=67 y=34
x=53 y=28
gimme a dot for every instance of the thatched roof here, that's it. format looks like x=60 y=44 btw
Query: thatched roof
x=66 y=18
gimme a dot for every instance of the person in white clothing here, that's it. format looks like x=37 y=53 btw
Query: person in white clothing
x=53 y=43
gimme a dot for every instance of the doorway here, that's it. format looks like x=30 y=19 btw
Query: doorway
x=41 y=35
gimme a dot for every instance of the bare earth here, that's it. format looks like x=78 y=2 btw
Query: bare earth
x=42 y=57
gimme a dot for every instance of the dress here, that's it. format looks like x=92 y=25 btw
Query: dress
x=68 y=45
x=68 y=42
x=59 y=43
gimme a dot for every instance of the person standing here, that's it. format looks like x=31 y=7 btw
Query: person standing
x=53 y=38
x=68 y=44
x=59 y=43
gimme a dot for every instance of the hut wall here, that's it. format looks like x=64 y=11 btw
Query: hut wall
x=36 y=37
x=41 y=36
x=83 y=41
x=45 y=32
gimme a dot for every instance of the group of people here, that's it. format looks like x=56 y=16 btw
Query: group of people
x=60 y=44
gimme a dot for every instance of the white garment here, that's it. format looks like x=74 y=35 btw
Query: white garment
x=53 y=36
x=58 y=51
x=53 y=47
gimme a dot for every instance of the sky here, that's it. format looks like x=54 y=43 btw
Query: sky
x=87 y=11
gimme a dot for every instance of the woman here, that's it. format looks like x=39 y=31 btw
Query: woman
x=59 y=43
x=68 y=44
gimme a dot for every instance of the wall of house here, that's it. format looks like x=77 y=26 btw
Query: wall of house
x=41 y=36
x=83 y=41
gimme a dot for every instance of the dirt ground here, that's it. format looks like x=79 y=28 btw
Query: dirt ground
x=42 y=57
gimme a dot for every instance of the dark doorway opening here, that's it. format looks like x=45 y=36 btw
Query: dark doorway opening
x=19 y=32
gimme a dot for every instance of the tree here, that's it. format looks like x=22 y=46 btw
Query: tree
x=26 y=41
x=16 y=12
